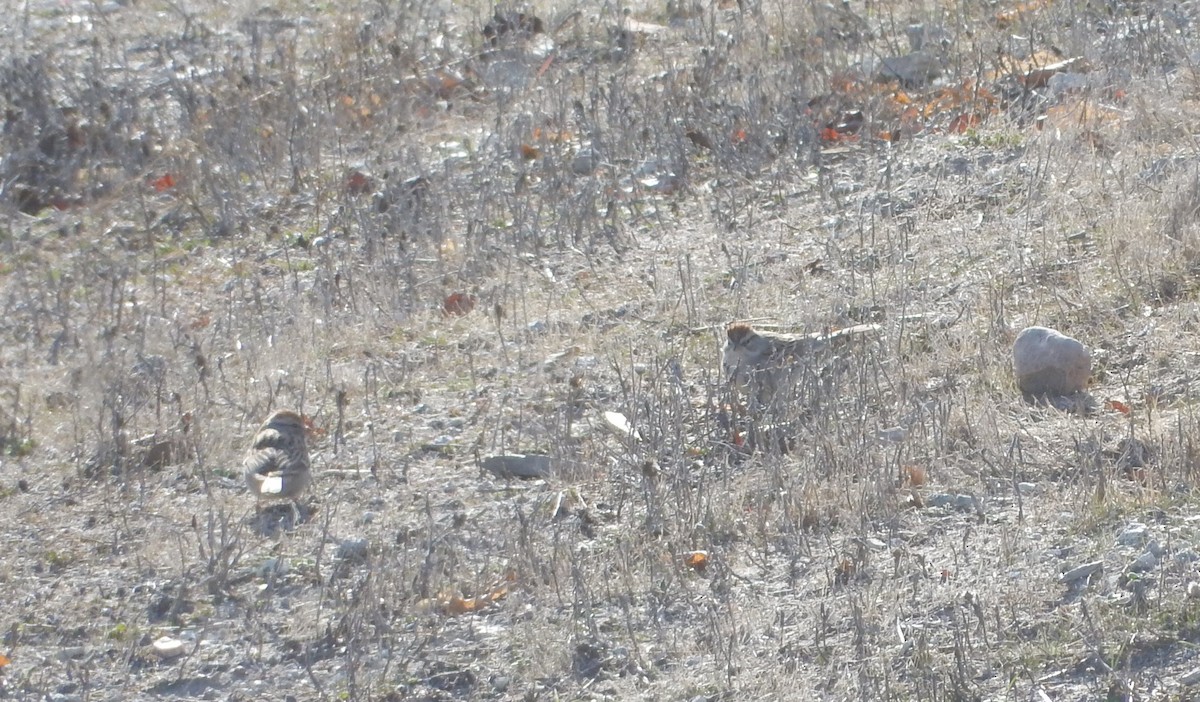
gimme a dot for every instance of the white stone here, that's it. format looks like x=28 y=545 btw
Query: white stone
x=167 y=647
x=1047 y=362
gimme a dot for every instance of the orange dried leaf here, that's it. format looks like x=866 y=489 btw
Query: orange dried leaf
x=4 y=660
x=696 y=560
x=915 y=476
x=739 y=136
x=163 y=182
x=357 y=183
x=530 y=153
x=446 y=86
x=457 y=604
x=830 y=134
x=1118 y=406
x=963 y=122
x=458 y=304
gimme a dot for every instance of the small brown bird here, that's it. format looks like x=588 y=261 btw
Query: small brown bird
x=765 y=364
x=277 y=465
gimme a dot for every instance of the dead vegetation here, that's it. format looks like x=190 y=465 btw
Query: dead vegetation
x=475 y=243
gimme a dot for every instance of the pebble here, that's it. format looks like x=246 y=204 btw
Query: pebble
x=1047 y=362
x=352 y=550
x=1186 y=556
x=963 y=502
x=1082 y=572
x=519 y=466
x=1133 y=535
x=1143 y=563
x=167 y=647
x=272 y=567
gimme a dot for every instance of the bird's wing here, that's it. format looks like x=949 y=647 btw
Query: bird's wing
x=266 y=461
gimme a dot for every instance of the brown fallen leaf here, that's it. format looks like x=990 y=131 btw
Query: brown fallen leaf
x=914 y=475
x=458 y=304
x=163 y=182
x=358 y=183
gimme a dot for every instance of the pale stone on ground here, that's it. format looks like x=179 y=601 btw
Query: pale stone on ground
x=1047 y=362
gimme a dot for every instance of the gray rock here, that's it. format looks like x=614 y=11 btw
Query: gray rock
x=959 y=502
x=272 y=567
x=1047 y=362
x=585 y=162
x=352 y=550
x=912 y=70
x=519 y=466
x=1186 y=556
x=1143 y=563
x=1133 y=535
x=1080 y=573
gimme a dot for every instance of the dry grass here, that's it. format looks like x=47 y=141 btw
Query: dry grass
x=209 y=213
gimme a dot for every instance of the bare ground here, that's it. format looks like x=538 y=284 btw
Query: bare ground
x=210 y=212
